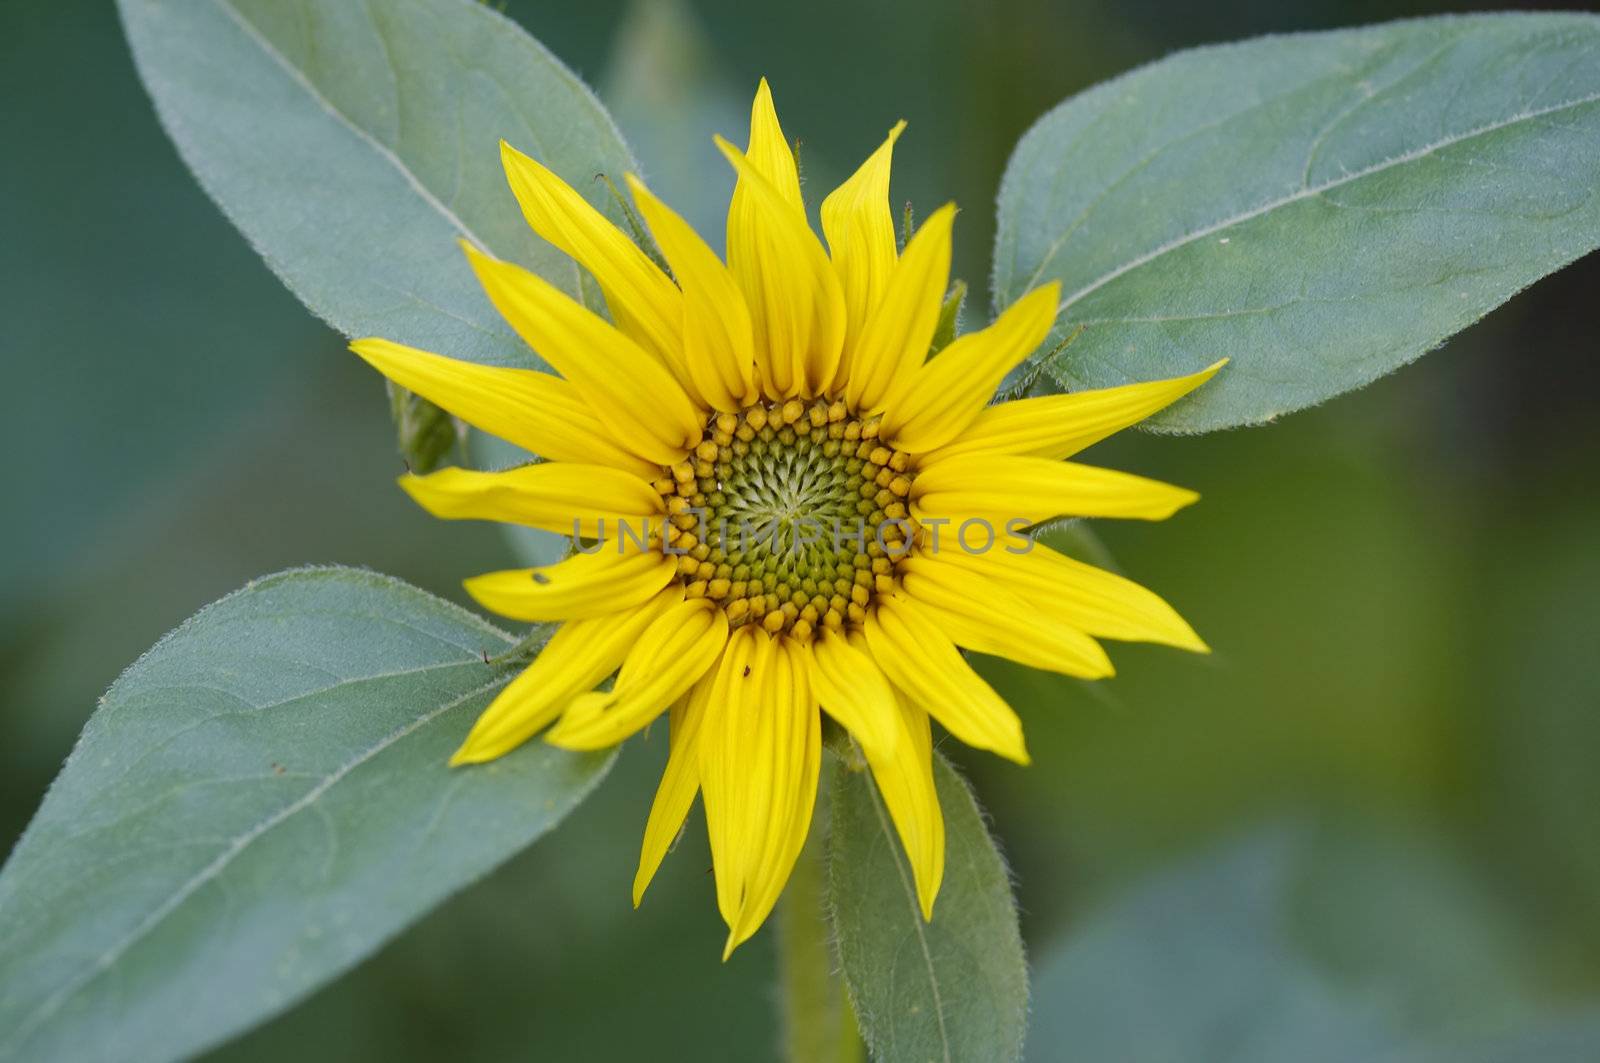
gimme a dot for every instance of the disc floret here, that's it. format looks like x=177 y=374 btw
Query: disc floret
x=790 y=514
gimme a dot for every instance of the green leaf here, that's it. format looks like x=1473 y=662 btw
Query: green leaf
x=949 y=990
x=1198 y=965
x=355 y=144
x=1321 y=208
x=258 y=803
x=1217 y=959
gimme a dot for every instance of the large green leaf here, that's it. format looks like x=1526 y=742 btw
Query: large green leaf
x=1214 y=960
x=354 y=144
x=1320 y=208
x=258 y=803
x=945 y=991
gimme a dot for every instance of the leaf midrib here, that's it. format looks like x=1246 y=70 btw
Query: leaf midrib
x=908 y=888
x=1304 y=192
x=300 y=78
x=108 y=959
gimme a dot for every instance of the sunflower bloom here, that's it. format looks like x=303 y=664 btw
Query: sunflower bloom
x=782 y=506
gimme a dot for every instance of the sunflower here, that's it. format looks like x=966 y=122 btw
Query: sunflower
x=783 y=503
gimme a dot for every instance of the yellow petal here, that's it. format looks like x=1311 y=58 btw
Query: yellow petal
x=781 y=751
x=984 y=615
x=632 y=393
x=894 y=341
x=1028 y=490
x=920 y=821
x=898 y=747
x=716 y=321
x=558 y=496
x=1090 y=599
x=760 y=753
x=607 y=581
x=578 y=655
x=734 y=683
x=1059 y=426
x=946 y=394
x=860 y=229
x=537 y=411
x=679 y=783
x=643 y=300
x=921 y=660
x=769 y=149
x=796 y=305
x=671 y=656
x=853 y=690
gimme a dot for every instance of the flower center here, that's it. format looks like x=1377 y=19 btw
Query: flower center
x=790 y=515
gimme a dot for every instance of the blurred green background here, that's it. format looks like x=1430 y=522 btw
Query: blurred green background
x=1366 y=828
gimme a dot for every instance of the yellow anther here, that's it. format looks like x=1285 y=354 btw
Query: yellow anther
x=683 y=472
x=756 y=417
x=696 y=589
x=801 y=630
x=879 y=455
x=727 y=422
x=706 y=451
x=900 y=461
x=793 y=410
x=773 y=622
x=833 y=619
x=718 y=588
x=900 y=486
x=883 y=584
x=860 y=595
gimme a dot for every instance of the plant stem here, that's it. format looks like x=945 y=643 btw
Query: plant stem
x=818 y=1024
